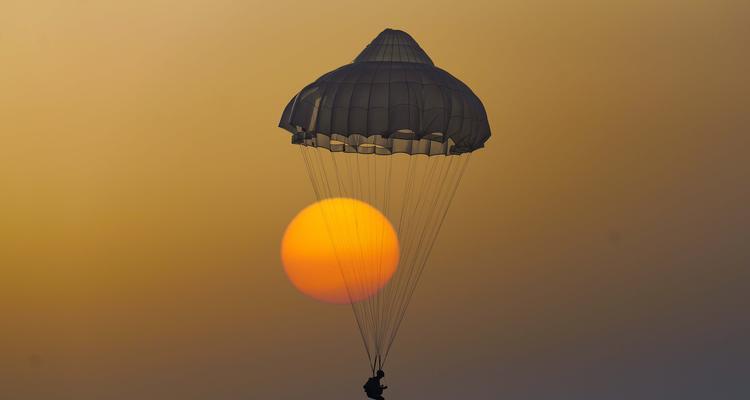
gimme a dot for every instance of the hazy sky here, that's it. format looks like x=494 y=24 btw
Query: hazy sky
x=597 y=248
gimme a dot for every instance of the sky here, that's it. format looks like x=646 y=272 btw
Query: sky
x=597 y=247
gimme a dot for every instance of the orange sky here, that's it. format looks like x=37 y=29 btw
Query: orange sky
x=144 y=189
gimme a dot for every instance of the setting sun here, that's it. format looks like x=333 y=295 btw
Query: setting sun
x=340 y=250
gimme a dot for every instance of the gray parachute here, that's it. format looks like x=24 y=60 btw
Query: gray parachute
x=392 y=130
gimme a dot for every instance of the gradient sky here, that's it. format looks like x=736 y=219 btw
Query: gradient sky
x=597 y=248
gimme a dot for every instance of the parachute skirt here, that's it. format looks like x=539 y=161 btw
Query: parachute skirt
x=376 y=144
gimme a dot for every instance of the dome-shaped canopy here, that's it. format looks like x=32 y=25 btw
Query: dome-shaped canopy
x=391 y=99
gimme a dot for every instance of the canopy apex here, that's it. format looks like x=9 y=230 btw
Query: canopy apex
x=393 y=45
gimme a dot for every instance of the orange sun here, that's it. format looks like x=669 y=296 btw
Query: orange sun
x=340 y=250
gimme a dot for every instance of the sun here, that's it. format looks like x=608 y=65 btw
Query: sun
x=340 y=250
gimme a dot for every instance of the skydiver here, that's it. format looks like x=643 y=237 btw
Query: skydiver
x=373 y=388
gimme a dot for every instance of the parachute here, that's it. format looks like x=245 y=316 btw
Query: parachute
x=393 y=130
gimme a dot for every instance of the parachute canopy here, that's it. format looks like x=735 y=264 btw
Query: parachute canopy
x=391 y=99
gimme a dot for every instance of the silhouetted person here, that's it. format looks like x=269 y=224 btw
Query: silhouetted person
x=373 y=388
